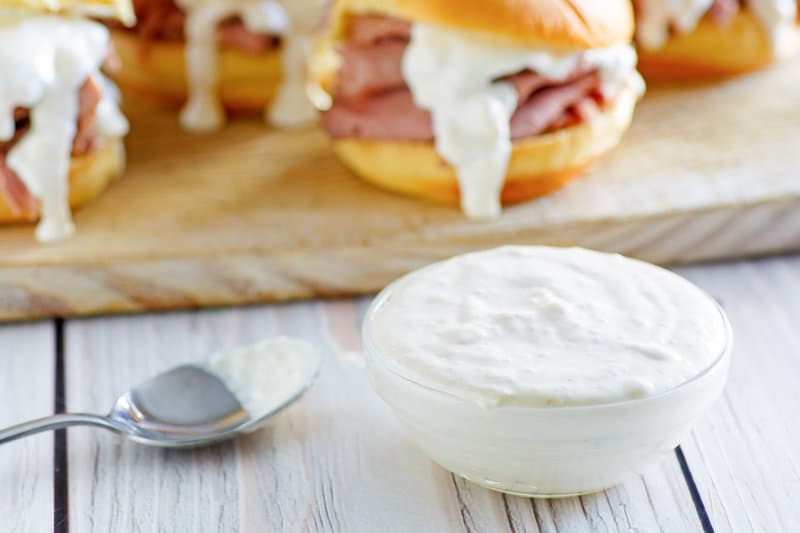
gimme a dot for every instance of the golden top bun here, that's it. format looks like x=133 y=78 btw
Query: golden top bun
x=559 y=24
x=120 y=9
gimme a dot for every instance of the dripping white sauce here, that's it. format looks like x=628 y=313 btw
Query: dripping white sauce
x=44 y=60
x=451 y=74
x=292 y=107
x=658 y=16
x=292 y=21
x=779 y=17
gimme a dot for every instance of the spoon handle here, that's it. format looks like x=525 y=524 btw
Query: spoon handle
x=56 y=422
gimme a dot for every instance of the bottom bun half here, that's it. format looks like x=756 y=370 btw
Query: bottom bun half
x=538 y=165
x=89 y=175
x=247 y=82
x=713 y=51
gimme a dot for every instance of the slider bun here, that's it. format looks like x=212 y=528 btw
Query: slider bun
x=538 y=165
x=89 y=175
x=567 y=24
x=711 y=51
x=247 y=82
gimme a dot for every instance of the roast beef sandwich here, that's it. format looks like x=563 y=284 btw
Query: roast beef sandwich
x=475 y=101
x=213 y=56
x=60 y=125
x=692 y=39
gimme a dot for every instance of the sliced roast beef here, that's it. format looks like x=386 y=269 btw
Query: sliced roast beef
x=158 y=20
x=378 y=67
x=528 y=82
x=163 y=20
x=368 y=69
x=549 y=105
x=371 y=99
x=233 y=34
x=394 y=116
x=12 y=189
x=372 y=59
x=391 y=115
x=373 y=29
x=88 y=99
x=724 y=11
x=582 y=111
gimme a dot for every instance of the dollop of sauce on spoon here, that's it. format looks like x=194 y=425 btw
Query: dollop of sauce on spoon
x=266 y=376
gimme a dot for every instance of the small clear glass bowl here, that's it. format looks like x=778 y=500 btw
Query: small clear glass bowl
x=542 y=451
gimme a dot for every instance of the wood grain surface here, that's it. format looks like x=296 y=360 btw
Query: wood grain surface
x=27 y=375
x=251 y=215
x=338 y=461
x=746 y=452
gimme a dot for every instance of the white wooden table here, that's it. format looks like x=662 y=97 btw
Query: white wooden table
x=337 y=461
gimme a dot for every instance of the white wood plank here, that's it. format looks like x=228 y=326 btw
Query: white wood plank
x=116 y=486
x=656 y=500
x=745 y=454
x=26 y=391
x=324 y=466
x=337 y=461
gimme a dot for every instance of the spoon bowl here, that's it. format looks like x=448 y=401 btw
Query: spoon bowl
x=184 y=406
x=200 y=404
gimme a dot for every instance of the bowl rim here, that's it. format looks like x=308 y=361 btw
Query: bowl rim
x=374 y=353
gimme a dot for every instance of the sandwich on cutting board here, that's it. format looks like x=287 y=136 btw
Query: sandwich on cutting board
x=685 y=39
x=475 y=101
x=210 y=57
x=60 y=125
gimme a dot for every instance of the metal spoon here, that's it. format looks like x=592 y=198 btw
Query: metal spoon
x=198 y=404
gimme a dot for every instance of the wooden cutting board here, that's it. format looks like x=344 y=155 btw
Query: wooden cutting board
x=253 y=215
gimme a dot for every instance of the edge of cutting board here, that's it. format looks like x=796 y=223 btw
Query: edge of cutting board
x=30 y=292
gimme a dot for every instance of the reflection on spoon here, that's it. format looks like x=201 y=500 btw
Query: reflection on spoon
x=191 y=405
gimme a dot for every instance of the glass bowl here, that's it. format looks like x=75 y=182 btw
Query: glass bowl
x=542 y=451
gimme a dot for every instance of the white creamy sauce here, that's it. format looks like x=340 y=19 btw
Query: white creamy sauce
x=653 y=27
x=44 y=60
x=779 y=17
x=266 y=376
x=538 y=326
x=452 y=73
x=292 y=107
x=203 y=111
